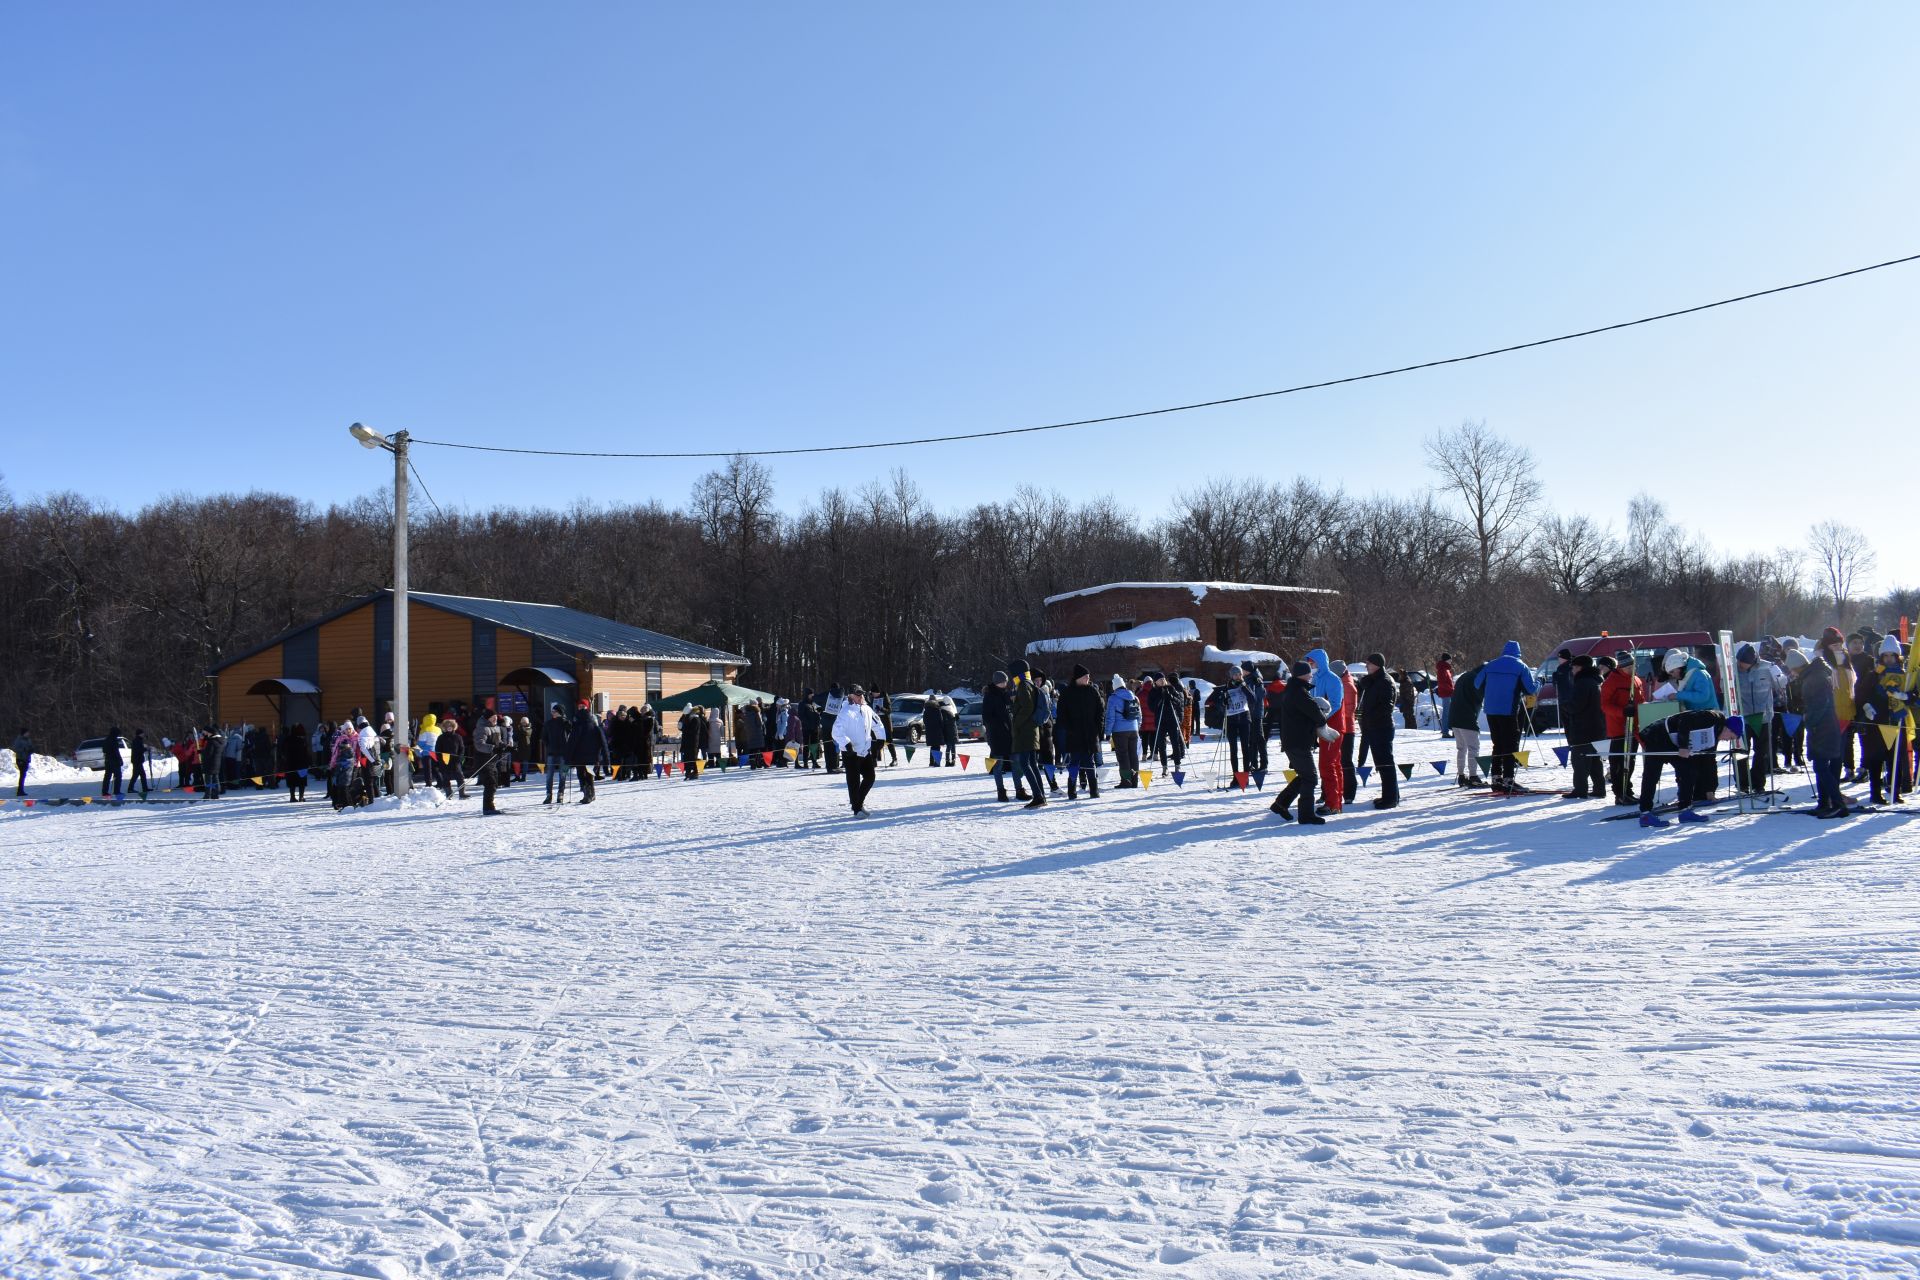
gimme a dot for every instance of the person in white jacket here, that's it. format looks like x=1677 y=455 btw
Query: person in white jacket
x=858 y=732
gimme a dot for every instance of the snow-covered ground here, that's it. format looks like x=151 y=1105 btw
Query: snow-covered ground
x=719 y=1028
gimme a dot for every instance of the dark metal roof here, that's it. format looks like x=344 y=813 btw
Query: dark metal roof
x=283 y=685
x=565 y=628
x=572 y=629
x=537 y=675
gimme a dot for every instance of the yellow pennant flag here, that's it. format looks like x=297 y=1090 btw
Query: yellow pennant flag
x=1890 y=734
x=539 y=768
x=1146 y=779
x=990 y=763
x=793 y=753
x=616 y=771
x=446 y=757
x=1522 y=756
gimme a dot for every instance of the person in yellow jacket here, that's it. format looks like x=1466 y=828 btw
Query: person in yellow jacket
x=1895 y=683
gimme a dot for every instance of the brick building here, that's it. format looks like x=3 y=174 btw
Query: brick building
x=1195 y=627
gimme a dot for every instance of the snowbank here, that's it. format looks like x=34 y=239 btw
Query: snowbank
x=1147 y=635
x=1234 y=657
x=48 y=771
x=1199 y=589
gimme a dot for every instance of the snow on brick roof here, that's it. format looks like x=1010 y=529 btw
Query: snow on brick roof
x=1199 y=589
x=1145 y=636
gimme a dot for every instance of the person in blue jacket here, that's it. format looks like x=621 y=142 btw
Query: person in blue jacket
x=1123 y=727
x=1694 y=691
x=1328 y=685
x=1504 y=683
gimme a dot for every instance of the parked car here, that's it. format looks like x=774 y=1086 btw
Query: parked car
x=908 y=721
x=1648 y=653
x=969 y=725
x=92 y=754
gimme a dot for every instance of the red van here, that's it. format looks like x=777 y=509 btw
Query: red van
x=1649 y=649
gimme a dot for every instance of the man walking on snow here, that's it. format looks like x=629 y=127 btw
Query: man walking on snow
x=857 y=735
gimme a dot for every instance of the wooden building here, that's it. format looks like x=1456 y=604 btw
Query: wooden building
x=461 y=649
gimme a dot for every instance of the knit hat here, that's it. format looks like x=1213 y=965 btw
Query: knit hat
x=1796 y=660
x=1831 y=636
x=1020 y=667
x=1376 y=659
x=1119 y=682
x=1584 y=662
x=1338 y=667
x=998 y=677
x=1623 y=658
x=1079 y=671
x=1745 y=653
x=1604 y=661
x=1303 y=669
x=1890 y=646
x=1673 y=661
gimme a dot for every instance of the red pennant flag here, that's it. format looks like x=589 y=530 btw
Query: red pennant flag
x=766 y=759
x=1240 y=780
x=964 y=762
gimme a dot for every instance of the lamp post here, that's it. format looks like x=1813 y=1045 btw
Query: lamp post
x=397 y=446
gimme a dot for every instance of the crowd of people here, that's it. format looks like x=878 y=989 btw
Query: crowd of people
x=1842 y=709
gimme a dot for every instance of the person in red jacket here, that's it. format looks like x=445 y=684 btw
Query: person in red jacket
x=1620 y=692
x=1443 y=690
x=1340 y=783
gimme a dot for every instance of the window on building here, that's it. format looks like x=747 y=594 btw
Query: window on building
x=1289 y=628
x=1223 y=631
x=1120 y=624
x=716 y=672
x=655 y=681
x=1256 y=627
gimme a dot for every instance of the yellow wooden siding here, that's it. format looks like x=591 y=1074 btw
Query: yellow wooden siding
x=346 y=664
x=439 y=657
x=511 y=651
x=625 y=683
x=236 y=707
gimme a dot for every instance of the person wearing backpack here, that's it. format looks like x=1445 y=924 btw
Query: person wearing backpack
x=1123 y=728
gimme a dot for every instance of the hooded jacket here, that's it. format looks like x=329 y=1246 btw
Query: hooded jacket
x=1326 y=684
x=1117 y=719
x=996 y=719
x=1505 y=680
x=1756 y=686
x=1586 y=718
x=1694 y=689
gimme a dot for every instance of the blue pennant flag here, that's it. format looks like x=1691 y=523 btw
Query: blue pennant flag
x=1561 y=753
x=1440 y=767
x=1365 y=772
x=1179 y=778
x=1259 y=779
x=1792 y=721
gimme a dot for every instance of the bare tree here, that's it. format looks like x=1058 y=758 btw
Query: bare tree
x=1495 y=482
x=1842 y=556
x=1576 y=556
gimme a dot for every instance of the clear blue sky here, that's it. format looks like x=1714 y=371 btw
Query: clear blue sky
x=228 y=230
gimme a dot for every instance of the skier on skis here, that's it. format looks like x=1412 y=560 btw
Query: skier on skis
x=1681 y=738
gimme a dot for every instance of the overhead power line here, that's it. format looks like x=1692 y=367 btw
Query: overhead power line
x=1183 y=408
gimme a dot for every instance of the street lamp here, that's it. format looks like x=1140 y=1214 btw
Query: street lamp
x=397 y=446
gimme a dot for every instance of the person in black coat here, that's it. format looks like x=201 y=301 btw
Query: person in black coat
x=1586 y=722
x=584 y=748
x=1081 y=716
x=996 y=721
x=111 y=762
x=1379 y=696
x=1671 y=741
x=1301 y=721
x=1169 y=704
x=296 y=753
x=139 y=759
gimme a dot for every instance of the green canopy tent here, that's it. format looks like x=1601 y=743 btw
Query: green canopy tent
x=714 y=693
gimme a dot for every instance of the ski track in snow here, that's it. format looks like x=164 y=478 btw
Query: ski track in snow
x=721 y=1029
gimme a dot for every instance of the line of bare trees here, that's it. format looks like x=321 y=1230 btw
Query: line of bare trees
x=110 y=616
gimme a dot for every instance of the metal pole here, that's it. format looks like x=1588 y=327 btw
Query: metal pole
x=402 y=773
